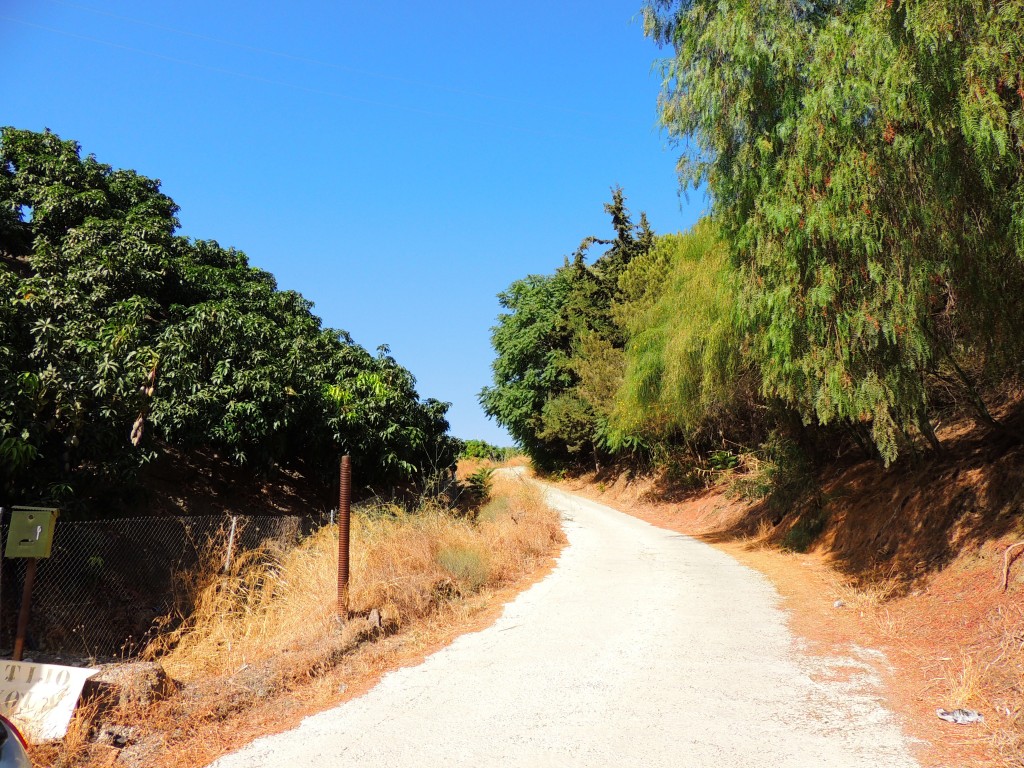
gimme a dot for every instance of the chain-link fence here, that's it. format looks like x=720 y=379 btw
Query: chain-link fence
x=108 y=585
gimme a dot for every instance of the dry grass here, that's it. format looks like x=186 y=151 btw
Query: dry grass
x=403 y=564
x=963 y=681
x=1003 y=683
x=985 y=675
x=869 y=597
x=762 y=536
x=877 y=602
x=76 y=748
x=269 y=625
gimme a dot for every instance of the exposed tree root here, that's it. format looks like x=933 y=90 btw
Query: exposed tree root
x=1007 y=562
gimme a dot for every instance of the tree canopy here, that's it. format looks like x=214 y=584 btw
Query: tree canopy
x=864 y=165
x=119 y=337
x=686 y=372
x=559 y=349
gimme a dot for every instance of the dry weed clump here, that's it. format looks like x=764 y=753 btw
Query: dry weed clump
x=76 y=748
x=869 y=596
x=963 y=681
x=264 y=604
x=268 y=625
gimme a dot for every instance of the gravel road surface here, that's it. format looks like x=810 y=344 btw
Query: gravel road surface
x=642 y=648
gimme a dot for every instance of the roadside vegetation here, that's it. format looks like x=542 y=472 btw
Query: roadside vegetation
x=481 y=449
x=835 y=349
x=124 y=345
x=836 y=345
x=262 y=644
x=850 y=283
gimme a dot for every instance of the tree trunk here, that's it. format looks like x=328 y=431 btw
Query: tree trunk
x=924 y=424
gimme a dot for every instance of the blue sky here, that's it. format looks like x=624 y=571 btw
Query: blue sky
x=399 y=164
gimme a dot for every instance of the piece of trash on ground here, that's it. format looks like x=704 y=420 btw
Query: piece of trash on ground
x=960 y=716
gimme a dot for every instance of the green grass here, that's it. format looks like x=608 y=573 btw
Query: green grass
x=468 y=566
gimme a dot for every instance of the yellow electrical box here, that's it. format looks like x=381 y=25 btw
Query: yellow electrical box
x=31 y=532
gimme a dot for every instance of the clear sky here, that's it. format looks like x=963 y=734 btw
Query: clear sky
x=397 y=163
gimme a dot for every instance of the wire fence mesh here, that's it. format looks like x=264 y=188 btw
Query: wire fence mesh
x=109 y=585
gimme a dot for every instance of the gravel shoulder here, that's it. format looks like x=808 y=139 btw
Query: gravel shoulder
x=643 y=646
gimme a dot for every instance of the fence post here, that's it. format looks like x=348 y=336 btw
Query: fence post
x=26 y=608
x=344 y=515
x=231 y=544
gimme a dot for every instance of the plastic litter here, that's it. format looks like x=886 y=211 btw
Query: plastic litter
x=960 y=716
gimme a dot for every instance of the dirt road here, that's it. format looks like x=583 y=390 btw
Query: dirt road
x=643 y=647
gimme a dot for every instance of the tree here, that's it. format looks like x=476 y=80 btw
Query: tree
x=559 y=350
x=529 y=366
x=687 y=377
x=119 y=338
x=84 y=246
x=864 y=163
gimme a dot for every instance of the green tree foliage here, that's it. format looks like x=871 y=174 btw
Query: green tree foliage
x=481 y=449
x=559 y=350
x=118 y=337
x=529 y=367
x=864 y=161
x=685 y=369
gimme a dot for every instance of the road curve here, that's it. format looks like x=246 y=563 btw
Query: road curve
x=642 y=648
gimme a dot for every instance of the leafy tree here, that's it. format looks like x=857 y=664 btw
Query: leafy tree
x=530 y=365
x=686 y=374
x=119 y=337
x=377 y=415
x=864 y=161
x=559 y=350
x=481 y=449
x=83 y=250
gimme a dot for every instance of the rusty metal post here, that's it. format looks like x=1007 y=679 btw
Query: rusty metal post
x=344 y=516
x=26 y=608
